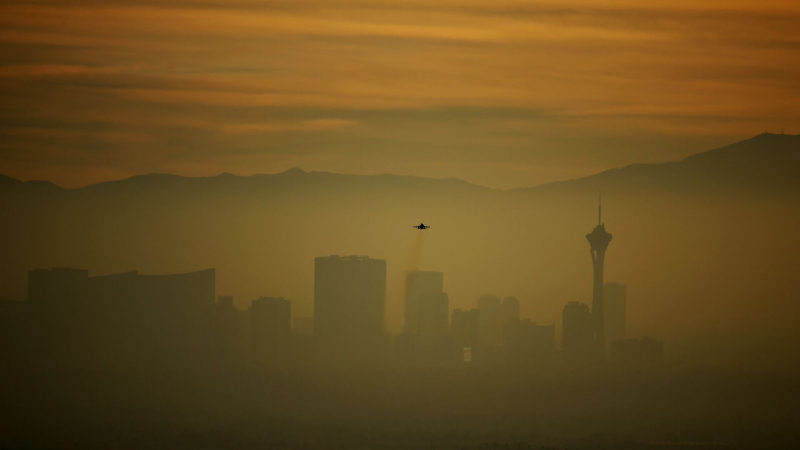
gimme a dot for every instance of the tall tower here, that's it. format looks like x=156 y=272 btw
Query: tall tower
x=598 y=241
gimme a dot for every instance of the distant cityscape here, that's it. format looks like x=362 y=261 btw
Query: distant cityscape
x=126 y=320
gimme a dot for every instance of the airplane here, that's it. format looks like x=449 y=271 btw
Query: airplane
x=421 y=226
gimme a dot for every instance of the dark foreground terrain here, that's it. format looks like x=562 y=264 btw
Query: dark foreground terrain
x=447 y=407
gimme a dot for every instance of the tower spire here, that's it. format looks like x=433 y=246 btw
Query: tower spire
x=600 y=207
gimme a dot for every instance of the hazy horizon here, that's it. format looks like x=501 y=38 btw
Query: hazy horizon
x=262 y=234
x=374 y=224
x=378 y=173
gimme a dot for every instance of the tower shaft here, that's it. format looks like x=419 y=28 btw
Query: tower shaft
x=598 y=259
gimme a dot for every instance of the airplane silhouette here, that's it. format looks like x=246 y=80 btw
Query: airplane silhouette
x=421 y=226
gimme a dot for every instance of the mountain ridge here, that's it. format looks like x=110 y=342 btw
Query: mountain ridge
x=762 y=159
x=765 y=161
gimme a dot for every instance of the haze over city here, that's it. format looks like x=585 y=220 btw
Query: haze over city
x=371 y=224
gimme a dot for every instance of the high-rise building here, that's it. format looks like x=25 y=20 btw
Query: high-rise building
x=598 y=239
x=58 y=301
x=615 y=297
x=577 y=332
x=124 y=319
x=426 y=307
x=510 y=309
x=491 y=321
x=426 y=312
x=176 y=309
x=349 y=302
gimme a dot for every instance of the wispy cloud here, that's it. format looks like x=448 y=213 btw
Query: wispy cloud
x=371 y=82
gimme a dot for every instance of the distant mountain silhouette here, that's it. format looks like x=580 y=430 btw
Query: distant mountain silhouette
x=768 y=162
x=292 y=182
x=9 y=184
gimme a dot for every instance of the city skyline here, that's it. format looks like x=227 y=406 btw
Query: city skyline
x=349 y=320
x=264 y=333
x=263 y=246
x=500 y=333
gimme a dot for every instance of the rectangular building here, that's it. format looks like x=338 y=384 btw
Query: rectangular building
x=426 y=304
x=615 y=300
x=123 y=320
x=491 y=321
x=349 y=304
x=525 y=341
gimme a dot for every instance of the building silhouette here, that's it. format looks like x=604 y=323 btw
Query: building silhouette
x=122 y=320
x=349 y=303
x=270 y=329
x=598 y=239
x=615 y=298
x=465 y=326
x=510 y=309
x=426 y=304
x=637 y=353
x=228 y=330
x=176 y=310
x=490 y=318
x=13 y=331
x=577 y=332
x=58 y=288
x=59 y=307
x=525 y=341
x=303 y=340
x=426 y=313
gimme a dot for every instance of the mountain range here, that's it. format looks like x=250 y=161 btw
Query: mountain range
x=767 y=162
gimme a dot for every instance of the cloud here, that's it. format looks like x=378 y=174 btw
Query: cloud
x=114 y=137
x=302 y=125
x=370 y=83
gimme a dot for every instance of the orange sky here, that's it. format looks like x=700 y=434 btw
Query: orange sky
x=503 y=93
